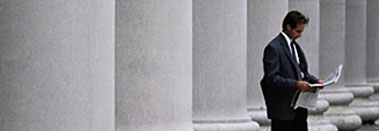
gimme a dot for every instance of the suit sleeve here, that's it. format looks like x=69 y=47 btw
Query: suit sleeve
x=311 y=79
x=308 y=77
x=271 y=64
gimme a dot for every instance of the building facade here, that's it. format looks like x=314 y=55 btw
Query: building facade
x=170 y=65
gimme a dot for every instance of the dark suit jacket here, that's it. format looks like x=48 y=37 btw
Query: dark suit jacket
x=280 y=78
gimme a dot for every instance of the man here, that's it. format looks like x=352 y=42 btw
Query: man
x=285 y=74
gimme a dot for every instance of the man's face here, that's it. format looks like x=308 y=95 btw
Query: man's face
x=295 y=32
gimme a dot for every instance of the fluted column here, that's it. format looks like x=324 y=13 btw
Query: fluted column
x=264 y=15
x=57 y=65
x=355 y=64
x=153 y=65
x=219 y=66
x=372 y=49
x=332 y=54
x=310 y=42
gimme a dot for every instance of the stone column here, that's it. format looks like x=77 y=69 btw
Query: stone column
x=355 y=64
x=264 y=22
x=332 y=54
x=219 y=66
x=372 y=49
x=154 y=65
x=57 y=65
x=310 y=42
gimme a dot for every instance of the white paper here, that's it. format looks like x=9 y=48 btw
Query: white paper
x=308 y=99
x=332 y=78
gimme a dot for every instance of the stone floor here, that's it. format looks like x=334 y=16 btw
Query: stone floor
x=369 y=127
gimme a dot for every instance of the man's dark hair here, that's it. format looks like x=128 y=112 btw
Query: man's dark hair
x=293 y=18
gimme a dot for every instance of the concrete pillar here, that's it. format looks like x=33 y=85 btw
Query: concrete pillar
x=355 y=64
x=264 y=15
x=154 y=65
x=310 y=42
x=372 y=49
x=310 y=39
x=57 y=65
x=332 y=54
x=219 y=66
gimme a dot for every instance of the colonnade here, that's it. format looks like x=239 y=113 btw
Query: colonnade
x=176 y=65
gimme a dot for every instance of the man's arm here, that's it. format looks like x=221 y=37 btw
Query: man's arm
x=304 y=65
x=308 y=77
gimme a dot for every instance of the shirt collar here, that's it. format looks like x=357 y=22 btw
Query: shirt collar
x=288 y=39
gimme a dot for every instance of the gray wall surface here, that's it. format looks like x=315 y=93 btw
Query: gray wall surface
x=154 y=65
x=56 y=65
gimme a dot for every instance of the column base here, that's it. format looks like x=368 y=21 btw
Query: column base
x=338 y=96
x=265 y=128
x=259 y=115
x=367 y=114
x=375 y=96
x=319 y=123
x=376 y=122
x=225 y=125
x=313 y=125
x=343 y=118
x=360 y=90
x=316 y=121
x=375 y=86
x=373 y=83
x=321 y=106
x=368 y=110
x=323 y=127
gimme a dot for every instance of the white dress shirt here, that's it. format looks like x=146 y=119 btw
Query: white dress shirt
x=289 y=40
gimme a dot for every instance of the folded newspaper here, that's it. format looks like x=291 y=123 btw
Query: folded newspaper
x=308 y=99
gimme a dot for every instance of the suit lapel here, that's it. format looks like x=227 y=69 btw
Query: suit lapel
x=289 y=55
x=287 y=50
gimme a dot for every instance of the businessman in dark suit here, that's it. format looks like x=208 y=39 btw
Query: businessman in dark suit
x=286 y=74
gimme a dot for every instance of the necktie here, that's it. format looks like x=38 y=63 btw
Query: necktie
x=298 y=70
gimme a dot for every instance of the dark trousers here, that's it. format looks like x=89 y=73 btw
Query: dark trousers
x=298 y=124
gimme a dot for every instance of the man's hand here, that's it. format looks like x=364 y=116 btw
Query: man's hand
x=303 y=85
x=320 y=82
